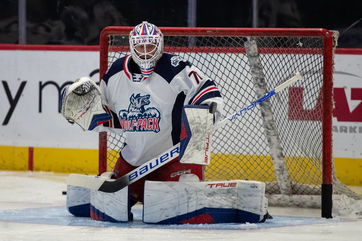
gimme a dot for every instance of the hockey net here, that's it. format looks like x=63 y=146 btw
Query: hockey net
x=287 y=141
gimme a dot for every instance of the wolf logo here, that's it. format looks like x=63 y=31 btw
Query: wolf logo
x=139 y=118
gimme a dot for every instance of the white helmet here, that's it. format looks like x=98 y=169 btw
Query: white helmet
x=146 y=44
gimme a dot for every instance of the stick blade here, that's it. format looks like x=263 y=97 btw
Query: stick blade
x=114 y=185
x=98 y=183
x=86 y=181
x=289 y=82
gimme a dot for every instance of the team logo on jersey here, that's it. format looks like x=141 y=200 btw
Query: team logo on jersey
x=139 y=118
x=137 y=77
x=175 y=60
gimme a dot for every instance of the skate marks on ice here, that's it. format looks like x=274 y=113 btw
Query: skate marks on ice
x=60 y=216
x=35 y=198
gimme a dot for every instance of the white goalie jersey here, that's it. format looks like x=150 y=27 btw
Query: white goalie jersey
x=148 y=110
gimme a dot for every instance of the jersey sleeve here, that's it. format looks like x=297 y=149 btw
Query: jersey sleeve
x=198 y=88
x=113 y=125
x=201 y=88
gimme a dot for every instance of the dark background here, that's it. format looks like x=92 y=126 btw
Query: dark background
x=79 y=22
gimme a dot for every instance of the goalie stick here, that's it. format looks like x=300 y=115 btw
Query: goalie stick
x=113 y=185
x=271 y=93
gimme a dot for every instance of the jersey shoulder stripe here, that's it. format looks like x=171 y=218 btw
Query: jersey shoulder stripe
x=169 y=65
x=207 y=91
x=208 y=94
x=115 y=68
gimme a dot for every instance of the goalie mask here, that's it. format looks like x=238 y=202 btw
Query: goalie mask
x=146 y=44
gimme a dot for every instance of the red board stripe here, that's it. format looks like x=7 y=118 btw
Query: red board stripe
x=30 y=158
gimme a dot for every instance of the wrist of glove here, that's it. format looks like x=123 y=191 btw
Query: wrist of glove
x=216 y=109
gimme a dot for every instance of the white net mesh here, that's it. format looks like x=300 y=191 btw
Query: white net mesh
x=242 y=149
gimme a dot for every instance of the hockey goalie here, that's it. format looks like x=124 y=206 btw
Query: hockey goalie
x=158 y=100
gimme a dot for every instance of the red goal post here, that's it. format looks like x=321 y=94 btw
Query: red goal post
x=301 y=116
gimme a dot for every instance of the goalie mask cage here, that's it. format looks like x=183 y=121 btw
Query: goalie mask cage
x=286 y=141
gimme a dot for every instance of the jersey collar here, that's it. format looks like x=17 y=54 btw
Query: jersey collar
x=125 y=67
x=134 y=76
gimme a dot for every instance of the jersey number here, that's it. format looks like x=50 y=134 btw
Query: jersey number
x=196 y=76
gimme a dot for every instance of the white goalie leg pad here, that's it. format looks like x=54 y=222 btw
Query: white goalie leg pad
x=78 y=201
x=112 y=207
x=195 y=144
x=204 y=202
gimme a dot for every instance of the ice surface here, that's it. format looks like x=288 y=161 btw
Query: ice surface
x=32 y=209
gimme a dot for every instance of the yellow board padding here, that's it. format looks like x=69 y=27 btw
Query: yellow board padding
x=62 y=160
x=237 y=166
x=14 y=158
x=222 y=167
x=300 y=169
x=349 y=170
x=261 y=168
x=66 y=160
x=112 y=157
